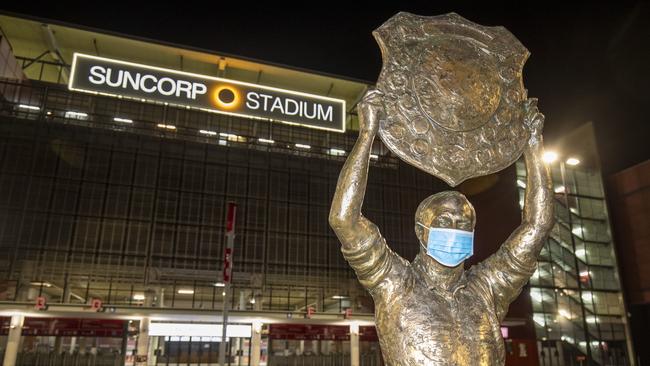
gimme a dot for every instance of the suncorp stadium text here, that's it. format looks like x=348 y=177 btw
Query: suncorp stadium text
x=288 y=106
x=148 y=83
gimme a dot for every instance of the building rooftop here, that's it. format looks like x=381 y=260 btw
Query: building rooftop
x=55 y=41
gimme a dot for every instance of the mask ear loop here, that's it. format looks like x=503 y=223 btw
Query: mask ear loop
x=426 y=227
x=426 y=245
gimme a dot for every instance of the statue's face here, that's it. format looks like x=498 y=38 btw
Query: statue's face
x=451 y=211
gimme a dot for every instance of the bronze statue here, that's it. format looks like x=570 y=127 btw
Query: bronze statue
x=432 y=311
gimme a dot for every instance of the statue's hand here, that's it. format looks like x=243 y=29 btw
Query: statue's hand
x=370 y=107
x=534 y=121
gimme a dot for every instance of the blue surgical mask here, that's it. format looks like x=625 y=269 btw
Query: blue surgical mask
x=449 y=246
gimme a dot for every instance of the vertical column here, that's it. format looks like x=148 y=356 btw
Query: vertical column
x=66 y=290
x=73 y=344
x=23 y=286
x=354 y=344
x=151 y=355
x=58 y=345
x=13 y=341
x=560 y=352
x=256 y=343
x=82 y=345
x=243 y=299
x=161 y=346
x=143 y=338
x=93 y=349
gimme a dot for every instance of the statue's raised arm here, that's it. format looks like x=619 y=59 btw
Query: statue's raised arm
x=527 y=240
x=508 y=270
x=349 y=224
x=362 y=244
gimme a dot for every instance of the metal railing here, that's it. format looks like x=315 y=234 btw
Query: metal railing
x=67 y=359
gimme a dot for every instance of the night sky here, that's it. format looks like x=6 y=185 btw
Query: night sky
x=588 y=63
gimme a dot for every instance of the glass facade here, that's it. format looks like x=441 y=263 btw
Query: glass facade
x=133 y=213
x=578 y=307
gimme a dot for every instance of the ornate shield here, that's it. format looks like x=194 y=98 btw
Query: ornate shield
x=453 y=95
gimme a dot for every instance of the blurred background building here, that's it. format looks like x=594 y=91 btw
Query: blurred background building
x=113 y=217
x=578 y=306
x=629 y=197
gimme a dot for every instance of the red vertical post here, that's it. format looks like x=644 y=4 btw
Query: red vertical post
x=231 y=217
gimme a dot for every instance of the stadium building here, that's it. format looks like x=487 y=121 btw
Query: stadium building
x=128 y=167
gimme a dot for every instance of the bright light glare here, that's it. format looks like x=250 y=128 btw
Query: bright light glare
x=565 y=313
x=138 y=297
x=568 y=339
x=549 y=156
x=219 y=284
x=206 y=132
x=536 y=295
x=185 y=292
x=169 y=127
x=76 y=115
x=303 y=146
x=572 y=161
x=232 y=137
x=30 y=107
x=44 y=284
x=124 y=120
x=198 y=329
x=578 y=231
x=337 y=152
x=266 y=141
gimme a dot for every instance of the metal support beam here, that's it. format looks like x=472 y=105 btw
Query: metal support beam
x=31 y=62
x=55 y=52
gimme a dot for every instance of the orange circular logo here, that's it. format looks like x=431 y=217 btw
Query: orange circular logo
x=226 y=97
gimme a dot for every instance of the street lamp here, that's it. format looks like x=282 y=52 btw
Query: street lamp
x=572 y=161
x=549 y=156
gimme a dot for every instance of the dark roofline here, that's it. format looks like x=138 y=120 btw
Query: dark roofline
x=189 y=48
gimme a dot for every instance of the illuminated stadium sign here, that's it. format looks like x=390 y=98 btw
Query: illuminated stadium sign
x=126 y=79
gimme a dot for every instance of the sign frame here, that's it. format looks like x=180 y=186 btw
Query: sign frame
x=333 y=101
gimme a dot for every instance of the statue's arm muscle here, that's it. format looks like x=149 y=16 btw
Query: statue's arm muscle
x=362 y=244
x=345 y=217
x=527 y=240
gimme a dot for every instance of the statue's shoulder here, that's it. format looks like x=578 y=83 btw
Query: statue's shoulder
x=399 y=278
